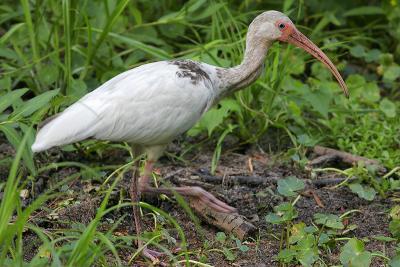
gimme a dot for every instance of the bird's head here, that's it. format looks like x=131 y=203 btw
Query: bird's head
x=273 y=26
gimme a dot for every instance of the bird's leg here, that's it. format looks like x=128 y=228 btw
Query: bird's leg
x=135 y=197
x=189 y=191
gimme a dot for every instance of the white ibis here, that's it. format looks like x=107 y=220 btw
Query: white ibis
x=150 y=105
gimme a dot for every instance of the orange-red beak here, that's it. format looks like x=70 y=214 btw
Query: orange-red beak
x=293 y=36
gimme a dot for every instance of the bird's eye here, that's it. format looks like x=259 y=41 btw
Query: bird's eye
x=281 y=26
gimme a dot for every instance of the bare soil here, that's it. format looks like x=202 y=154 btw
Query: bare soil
x=253 y=201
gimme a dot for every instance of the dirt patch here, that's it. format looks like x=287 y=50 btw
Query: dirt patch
x=254 y=202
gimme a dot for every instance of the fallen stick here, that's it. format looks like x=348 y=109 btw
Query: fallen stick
x=258 y=180
x=230 y=223
x=327 y=154
x=242 y=180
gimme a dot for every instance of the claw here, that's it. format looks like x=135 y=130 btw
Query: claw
x=153 y=256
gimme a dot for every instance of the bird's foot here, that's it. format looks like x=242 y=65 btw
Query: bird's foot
x=153 y=256
x=211 y=201
x=193 y=192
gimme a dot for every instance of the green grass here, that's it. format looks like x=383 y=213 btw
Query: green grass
x=53 y=52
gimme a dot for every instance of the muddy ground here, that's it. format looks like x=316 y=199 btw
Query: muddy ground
x=252 y=200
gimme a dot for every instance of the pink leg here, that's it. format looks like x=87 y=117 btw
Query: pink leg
x=135 y=197
x=189 y=191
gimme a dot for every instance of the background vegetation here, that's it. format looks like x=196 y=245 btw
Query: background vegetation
x=53 y=52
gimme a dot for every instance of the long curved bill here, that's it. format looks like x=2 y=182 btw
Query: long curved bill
x=300 y=40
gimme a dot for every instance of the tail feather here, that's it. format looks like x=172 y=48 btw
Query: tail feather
x=76 y=123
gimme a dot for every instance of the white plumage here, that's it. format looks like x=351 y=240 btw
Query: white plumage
x=150 y=105
x=147 y=105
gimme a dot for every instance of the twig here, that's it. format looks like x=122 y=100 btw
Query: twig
x=242 y=180
x=258 y=180
x=327 y=154
x=230 y=223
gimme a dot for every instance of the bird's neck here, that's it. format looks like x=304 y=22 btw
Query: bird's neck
x=236 y=78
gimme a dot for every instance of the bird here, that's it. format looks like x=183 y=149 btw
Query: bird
x=150 y=105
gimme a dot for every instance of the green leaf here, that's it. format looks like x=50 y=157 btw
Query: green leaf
x=297 y=232
x=353 y=254
x=273 y=218
x=288 y=186
x=49 y=74
x=306 y=140
x=371 y=92
x=388 y=108
x=356 y=84
x=365 y=192
x=32 y=105
x=307 y=253
x=391 y=73
x=154 y=51
x=78 y=88
x=244 y=248
x=395 y=262
x=220 y=237
x=394 y=228
x=283 y=213
x=308 y=257
x=216 y=116
x=8 y=99
x=328 y=220
x=364 y=10
x=286 y=255
x=229 y=254
x=357 y=51
x=15 y=138
x=319 y=100
x=5 y=83
x=373 y=55
x=384 y=238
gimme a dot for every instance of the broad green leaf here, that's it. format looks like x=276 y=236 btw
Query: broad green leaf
x=353 y=254
x=283 y=213
x=220 y=237
x=319 y=100
x=388 y=108
x=215 y=116
x=308 y=257
x=32 y=105
x=365 y=192
x=306 y=140
x=273 y=218
x=371 y=92
x=78 y=88
x=5 y=83
x=356 y=84
x=395 y=212
x=307 y=253
x=286 y=255
x=394 y=227
x=395 y=261
x=288 y=186
x=49 y=74
x=297 y=232
x=373 y=55
x=357 y=51
x=8 y=99
x=391 y=73
x=328 y=220
x=229 y=254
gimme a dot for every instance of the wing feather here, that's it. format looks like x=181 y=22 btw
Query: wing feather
x=150 y=104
